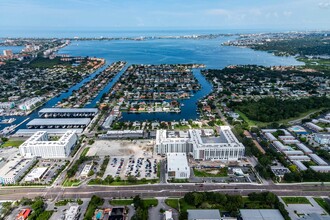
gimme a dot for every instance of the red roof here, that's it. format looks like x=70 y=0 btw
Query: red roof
x=24 y=214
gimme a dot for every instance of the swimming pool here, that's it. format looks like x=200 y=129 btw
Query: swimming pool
x=99 y=215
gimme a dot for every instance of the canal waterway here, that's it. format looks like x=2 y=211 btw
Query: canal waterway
x=163 y=51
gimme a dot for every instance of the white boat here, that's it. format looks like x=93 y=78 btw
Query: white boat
x=7 y=121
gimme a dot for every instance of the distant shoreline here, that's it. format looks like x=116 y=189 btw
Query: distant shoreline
x=133 y=33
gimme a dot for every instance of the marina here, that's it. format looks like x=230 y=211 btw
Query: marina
x=7 y=120
x=160 y=51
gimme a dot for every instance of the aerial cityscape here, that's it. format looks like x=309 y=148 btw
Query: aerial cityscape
x=171 y=110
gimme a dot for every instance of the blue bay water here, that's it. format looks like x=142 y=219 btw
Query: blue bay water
x=171 y=51
x=15 y=49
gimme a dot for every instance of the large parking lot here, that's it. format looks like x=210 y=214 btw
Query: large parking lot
x=140 y=167
x=127 y=158
x=53 y=165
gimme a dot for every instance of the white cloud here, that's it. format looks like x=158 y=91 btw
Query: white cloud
x=218 y=11
x=287 y=13
x=324 y=5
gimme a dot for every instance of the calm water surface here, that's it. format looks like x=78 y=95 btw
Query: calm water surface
x=161 y=51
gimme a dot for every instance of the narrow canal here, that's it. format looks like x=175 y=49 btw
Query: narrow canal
x=188 y=110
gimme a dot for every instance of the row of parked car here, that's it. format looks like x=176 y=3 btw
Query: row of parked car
x=120 y=166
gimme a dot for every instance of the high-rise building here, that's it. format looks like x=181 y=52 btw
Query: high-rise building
x=202 y=144
x=38 y=145
x=8 y=53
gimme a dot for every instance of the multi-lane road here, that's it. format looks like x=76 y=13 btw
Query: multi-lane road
x=159 y=190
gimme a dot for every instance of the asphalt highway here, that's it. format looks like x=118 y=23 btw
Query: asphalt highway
x=159 y=190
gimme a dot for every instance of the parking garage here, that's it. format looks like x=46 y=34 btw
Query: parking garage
x=67 y=112
x=63 y=123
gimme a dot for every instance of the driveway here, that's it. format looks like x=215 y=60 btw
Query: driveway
x=303 y=208
x=154 y=212
x=162 y=177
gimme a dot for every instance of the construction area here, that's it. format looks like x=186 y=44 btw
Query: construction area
x=127 y=158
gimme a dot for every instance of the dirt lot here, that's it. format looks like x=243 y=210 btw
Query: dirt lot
x=127 y=157
x=8 y=152
x=121 y=148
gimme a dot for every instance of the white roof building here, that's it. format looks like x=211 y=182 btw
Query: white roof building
x=72 y=213
x=318 y=159
x=168 y=215
x=201 y=144
x=286 y=137
x=30 y=103
x=313 y=126
x=268 y=130
x=270 y=137
x=204 y=214
x=85 y=171
x=177 y=166
x=123 y=134
x=290 y=141
x=300 y=158
x=38 y=145
x=323 y=169
x=304 y=148
x=326 y=121
x=293 y=152
x=36 y=174
x=279 y=146
x=300 y=165
x=14 y=168
x=261 y=214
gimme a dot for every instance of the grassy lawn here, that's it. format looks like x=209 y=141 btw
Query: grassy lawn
x=138 y=182
x=207 y=172
x=12 y=143
x=174 y=203
x=68 y=182
x=251 y=123
x=178 y=180
x=121 y=202
x=63 y=202
x=126 y=202
x=45 y=215
x=150 y=202
x=124 y=183
x=318 y=64
x=323 y=204
x=183 y=127
x=84 y=152
x=295 y=200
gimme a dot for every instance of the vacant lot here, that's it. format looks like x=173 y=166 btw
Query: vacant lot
x=119 y=148
x=13 y=143
x=295 y=200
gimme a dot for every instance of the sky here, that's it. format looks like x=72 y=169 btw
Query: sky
x=165 y=14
